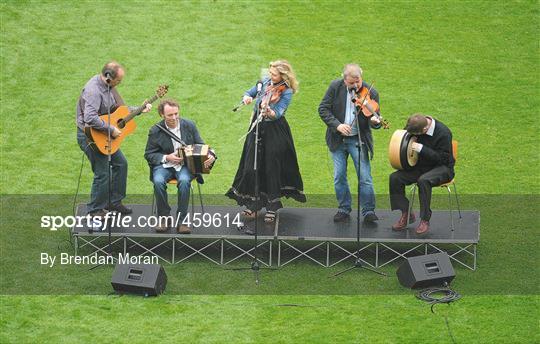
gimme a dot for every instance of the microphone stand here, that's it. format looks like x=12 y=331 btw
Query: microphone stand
x=358 y=263
x=109 y=165
x=255 y=267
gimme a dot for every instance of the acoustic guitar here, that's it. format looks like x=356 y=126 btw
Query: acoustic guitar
x=122 y=119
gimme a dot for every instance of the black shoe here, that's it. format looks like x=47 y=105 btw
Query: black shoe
x=341 y=217
x=122 y=209
x=370 y=218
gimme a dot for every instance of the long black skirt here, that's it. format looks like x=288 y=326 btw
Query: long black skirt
x=279 y=174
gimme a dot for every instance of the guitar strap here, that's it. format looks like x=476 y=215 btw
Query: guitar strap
x=117 y=97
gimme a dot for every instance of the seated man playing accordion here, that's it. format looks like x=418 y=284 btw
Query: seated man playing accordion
x=165 y=141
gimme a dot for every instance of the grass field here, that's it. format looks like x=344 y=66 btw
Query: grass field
x=472 y=64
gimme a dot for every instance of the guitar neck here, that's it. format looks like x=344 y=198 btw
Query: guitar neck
x=140 y=109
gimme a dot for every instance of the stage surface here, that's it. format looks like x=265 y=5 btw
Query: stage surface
x=314 y=225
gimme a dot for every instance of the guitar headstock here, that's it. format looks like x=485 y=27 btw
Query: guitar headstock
x=162 y=90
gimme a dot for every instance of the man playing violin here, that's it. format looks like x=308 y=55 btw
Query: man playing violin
x=435 y=166
x=339 y=113
x=166 y=164
x=99 y=96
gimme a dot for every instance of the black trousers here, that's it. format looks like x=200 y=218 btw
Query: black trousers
x=425 y=179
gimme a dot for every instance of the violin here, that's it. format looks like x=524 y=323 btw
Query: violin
x=272 y=95
x=367 y=106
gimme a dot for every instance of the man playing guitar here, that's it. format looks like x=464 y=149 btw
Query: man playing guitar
x=99 y=96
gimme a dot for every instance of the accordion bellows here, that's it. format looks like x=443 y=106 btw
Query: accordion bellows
x=195 y=156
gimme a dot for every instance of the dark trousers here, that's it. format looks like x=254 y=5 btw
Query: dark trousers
x=425 y=179
x=99 y=197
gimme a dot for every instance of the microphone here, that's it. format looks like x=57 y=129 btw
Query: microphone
x=259 y=88
x=237 y=107
x=108 y=77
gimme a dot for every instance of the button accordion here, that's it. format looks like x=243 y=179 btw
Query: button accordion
x=195 y=156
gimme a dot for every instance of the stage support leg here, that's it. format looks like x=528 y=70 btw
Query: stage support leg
x=173 y=250
x=279 y=254
x=327 y=253
x=376 y=254
x=222 y=248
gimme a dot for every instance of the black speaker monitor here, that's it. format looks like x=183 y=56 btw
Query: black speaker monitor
x=426 y=271
x=142 y=279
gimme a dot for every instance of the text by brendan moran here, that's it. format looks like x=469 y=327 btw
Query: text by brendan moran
x=68 y=259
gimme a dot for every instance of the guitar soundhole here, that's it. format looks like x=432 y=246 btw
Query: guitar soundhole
x=121 y=123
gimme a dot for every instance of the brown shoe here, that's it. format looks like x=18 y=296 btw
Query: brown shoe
x=165 y=222
x=422 y=227
x=248 y=215
x=402 y=222
x=183 y=229
x=161 y=229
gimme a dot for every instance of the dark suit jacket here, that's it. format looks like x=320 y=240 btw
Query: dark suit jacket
x=332 y=111
x=160 y=144
x=437 y=149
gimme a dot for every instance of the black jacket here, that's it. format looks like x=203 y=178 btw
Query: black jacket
x=160 y=144
x=437 y=149
x=332 y=111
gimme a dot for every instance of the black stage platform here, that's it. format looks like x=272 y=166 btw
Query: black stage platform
x=298 y=232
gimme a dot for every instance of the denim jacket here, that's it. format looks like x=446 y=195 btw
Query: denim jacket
x=280 y=107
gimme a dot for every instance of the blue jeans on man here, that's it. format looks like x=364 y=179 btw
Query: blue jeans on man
x=99 y=195
x=349 y=146
x=160 y=177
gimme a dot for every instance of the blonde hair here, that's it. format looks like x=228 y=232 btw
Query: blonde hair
x=285 y=70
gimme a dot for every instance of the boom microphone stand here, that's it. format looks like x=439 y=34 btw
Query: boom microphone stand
x=359 y=263
x=255 y=267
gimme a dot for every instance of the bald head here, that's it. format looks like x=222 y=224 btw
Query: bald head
x=113 y=71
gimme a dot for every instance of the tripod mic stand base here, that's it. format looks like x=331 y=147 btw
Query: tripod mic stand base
x=358 y=264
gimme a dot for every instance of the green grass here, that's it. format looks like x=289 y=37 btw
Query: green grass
x=472 y=64
x=248 y=319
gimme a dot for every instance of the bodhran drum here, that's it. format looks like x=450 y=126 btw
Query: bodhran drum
x=195 y=156
x=400 y=152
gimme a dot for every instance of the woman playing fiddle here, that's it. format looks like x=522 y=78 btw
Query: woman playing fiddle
x=277 y=165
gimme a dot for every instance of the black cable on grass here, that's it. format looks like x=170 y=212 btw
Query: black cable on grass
x=77 y=193
x=79 y=180
x=294 y=305
x=427 y=295
x=448 y=297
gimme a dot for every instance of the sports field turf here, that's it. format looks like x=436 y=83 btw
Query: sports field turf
x=472 y=64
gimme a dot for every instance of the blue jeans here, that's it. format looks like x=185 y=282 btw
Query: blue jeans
x=349 y=146
x=99 y=196
x=160 y=177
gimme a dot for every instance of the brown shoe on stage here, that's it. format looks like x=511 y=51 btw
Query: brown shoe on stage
x=402 y=222
x=423 y=227
x=161 y=229
x=122 y=209
x=183 y=229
